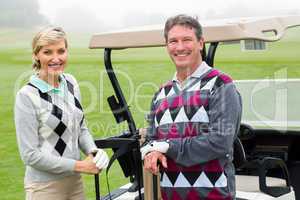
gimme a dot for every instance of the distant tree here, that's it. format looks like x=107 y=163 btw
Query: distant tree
x=20 y=13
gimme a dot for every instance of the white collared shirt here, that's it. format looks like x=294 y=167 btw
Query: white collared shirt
x=200 y=71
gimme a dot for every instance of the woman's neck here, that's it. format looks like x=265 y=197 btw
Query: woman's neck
x=52 y=80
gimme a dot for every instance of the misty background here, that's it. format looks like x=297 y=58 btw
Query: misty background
x=97 y=16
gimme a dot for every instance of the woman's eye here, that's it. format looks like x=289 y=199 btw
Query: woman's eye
x=47 y=52
x=61 y=51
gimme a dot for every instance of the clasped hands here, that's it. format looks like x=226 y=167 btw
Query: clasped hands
x=101 y=159
x=152 y=154
x=93 y=164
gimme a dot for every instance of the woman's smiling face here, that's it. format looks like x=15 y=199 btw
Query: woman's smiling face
x=53 y=59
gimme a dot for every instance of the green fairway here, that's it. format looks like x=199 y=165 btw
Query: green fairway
x=141 y=72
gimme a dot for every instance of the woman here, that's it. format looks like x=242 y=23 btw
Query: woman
x=50 y=125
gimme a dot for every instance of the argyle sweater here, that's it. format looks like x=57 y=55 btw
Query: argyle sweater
x=51 y=131
x=200 y=123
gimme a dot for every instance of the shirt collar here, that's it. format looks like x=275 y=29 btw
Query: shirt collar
x=201 y=69
x=44 y=87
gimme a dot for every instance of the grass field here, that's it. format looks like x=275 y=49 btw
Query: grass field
x=141 y=71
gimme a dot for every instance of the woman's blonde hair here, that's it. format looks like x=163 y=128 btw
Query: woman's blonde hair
x=46 y=36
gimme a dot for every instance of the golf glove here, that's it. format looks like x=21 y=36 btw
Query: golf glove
x=100 y=159
x=154 y=146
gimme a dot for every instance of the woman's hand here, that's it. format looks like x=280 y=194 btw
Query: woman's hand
x=86 y=166
x=101 y=159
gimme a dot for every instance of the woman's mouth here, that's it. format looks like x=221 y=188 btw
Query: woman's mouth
x=55 y=65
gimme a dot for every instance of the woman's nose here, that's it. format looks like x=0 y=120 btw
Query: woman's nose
x=56 y=57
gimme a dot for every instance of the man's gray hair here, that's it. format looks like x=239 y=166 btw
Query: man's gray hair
x=183 y=20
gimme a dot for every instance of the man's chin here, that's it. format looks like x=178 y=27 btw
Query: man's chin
x=181 y=65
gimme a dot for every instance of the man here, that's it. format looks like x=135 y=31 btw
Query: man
x=194 y=120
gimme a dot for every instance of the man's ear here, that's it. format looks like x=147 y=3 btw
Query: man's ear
x=201 y=42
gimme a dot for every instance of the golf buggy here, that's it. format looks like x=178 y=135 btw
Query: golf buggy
x=266 y=153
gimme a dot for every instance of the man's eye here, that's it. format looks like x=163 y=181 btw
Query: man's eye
x=187 y=39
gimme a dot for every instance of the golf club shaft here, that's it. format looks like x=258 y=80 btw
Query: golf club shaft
x=97 y=187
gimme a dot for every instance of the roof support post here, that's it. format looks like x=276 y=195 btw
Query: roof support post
x=211 y=53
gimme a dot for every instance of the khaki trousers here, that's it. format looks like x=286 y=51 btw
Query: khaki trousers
x=68 y=188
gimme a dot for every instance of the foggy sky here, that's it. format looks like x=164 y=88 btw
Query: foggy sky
x=95 y=15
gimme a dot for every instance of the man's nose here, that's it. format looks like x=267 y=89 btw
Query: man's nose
x=180 y=45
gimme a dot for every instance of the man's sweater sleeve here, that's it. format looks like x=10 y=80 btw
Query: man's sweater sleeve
x=150 y=134
x=224 y=119
x=27 y=124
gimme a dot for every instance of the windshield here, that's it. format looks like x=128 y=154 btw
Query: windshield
x=271 y=103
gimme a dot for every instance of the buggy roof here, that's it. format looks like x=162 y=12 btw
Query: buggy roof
x=213 y=31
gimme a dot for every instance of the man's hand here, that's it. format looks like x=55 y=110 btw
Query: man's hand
x=151 y=161
x=101 y=159
x=162 y=147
